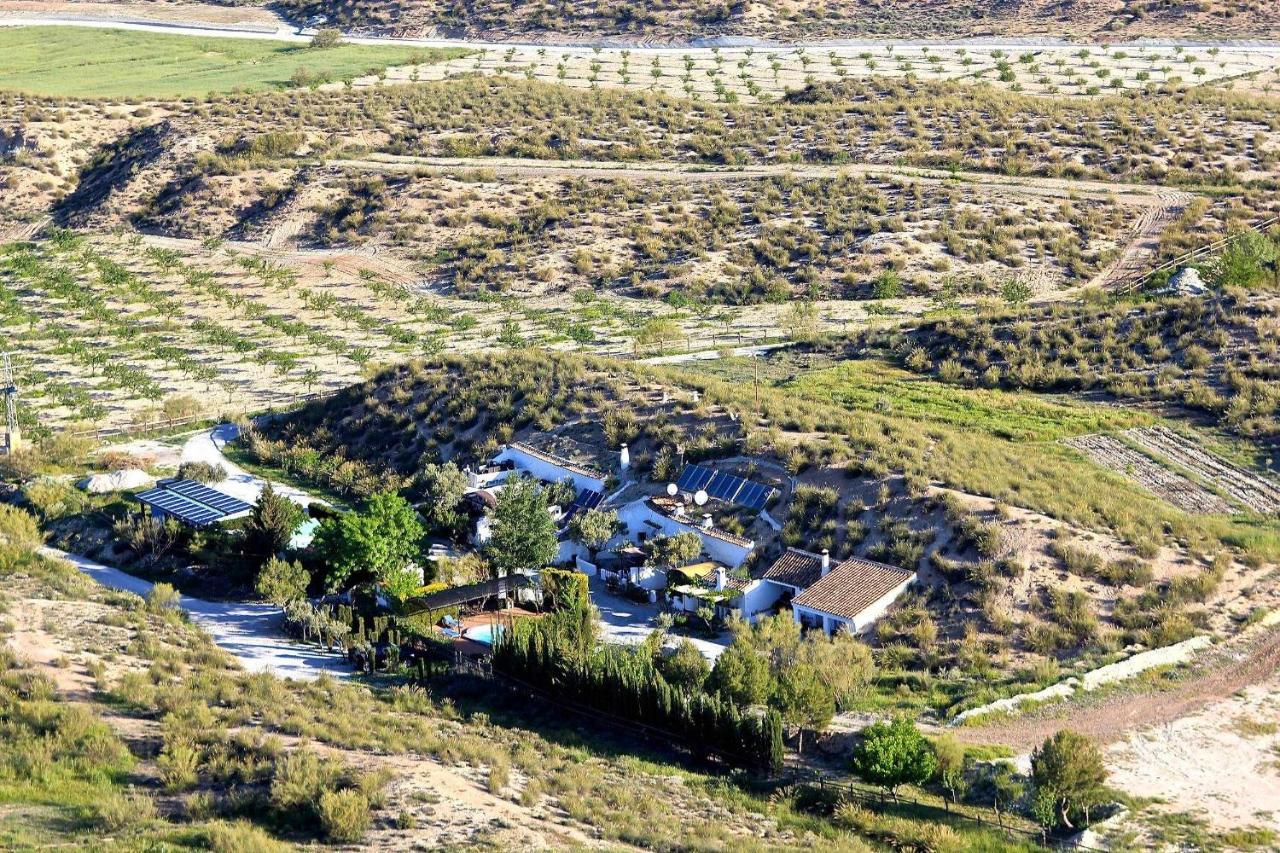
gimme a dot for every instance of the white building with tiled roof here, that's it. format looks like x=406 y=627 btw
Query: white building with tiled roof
x=852 y=594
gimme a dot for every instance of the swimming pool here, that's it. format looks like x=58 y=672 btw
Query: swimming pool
x=484 y=633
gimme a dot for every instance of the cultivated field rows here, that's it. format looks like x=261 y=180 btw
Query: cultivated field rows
x=1151 y=475
x=753 y=74
x=1251 y=490
x=1165 y=454
x=109 y=333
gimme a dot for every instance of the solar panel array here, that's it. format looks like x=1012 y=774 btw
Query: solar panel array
x=586 y=499
x=725 y=487
x=192 y=502
x=209 y=497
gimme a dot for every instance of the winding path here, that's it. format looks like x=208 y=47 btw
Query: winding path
x=207 y=447
x=250 y=632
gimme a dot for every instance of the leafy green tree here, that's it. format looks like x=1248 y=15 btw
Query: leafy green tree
x=893 y=754
x=1244 y=263
x=524 y=534
x=742 y=674
x=668 y=552
x=442 y=488
x=380 y=540
x=282 y=581
x=950 y=756
x=560 y=493
x=803 y=699
x=1068 y=778
x=685 y=667
x=272 y=523
x=565 y=590
x=594 y=528
x=1007 y=788
x=843 y=662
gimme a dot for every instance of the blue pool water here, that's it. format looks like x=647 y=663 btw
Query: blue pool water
x=483 y=633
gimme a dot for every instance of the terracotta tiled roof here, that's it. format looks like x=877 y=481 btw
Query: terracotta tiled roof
x=795 y=568
x=558 y=461
x=851 y=587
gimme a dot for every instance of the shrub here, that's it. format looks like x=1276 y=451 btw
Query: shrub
x=240 y=837
x=344 y=815
x=120 y=812
x=162 y=597
x=178 y=764
x=19 y=528
x=202 y=472
x=1126 y=572
x=53 y=499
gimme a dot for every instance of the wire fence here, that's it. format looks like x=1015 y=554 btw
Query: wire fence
x=1138 y=282
x=163 y=424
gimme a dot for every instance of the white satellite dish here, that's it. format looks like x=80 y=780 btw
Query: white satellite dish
x=672 y=489
x=700 y=497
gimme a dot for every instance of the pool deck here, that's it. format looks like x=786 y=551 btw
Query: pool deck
x=472 y=648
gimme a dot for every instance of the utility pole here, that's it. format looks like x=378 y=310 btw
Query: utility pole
x=755 y=380
x=12 y=440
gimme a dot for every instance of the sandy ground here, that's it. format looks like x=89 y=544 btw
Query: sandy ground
x=1222 y=762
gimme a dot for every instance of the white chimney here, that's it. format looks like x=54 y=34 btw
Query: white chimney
x=706 y=521
x=719 y=578
x=624 y=461
x=826 y=562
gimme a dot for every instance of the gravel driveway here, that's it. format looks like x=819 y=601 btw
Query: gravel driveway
x=251 y=632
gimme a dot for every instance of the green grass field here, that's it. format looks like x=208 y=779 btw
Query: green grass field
x=88 y=63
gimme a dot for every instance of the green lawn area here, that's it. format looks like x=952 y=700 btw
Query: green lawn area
x=878 y=386
x=82 y=62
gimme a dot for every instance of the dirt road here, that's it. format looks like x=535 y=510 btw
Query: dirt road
x=250 y=632
x=1147 y=195
x=1117 y=714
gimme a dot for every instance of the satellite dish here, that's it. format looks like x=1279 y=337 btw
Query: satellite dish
x=672 y=489
x=700 y=497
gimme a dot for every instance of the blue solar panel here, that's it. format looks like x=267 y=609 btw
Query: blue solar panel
x=754 y=496
x=694 y=477
x=724 y=486
x=209 y=497
x=588 y=499
x=180 y=507
x=192 y=502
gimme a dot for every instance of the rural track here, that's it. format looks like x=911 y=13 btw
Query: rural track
x=1147 y=195
x=186 y=24
x=1136 y=258
x=1119 y=713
